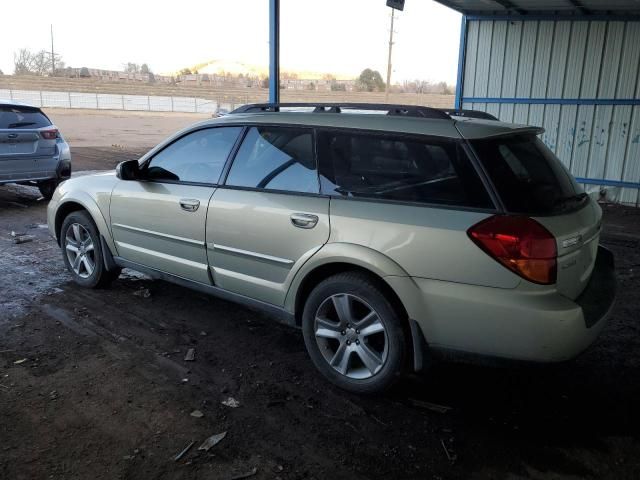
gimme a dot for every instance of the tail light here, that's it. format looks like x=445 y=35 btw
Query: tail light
x=519 y=243
x=49 y=134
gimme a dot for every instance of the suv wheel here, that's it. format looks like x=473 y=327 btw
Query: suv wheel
x=353 y=334
x=47 y=188
x=82 y=251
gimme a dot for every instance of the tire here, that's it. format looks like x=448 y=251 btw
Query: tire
x=47 y=188
x=365 y=354
x=79 y=237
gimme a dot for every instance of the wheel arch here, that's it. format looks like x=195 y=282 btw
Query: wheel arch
x=91 y=207
x=329 y=262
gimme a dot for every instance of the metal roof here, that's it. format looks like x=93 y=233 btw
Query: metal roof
x=569 y=8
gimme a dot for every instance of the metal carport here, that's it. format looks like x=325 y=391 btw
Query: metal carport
x=570 y=66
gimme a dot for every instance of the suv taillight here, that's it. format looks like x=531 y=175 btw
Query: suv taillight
x=49 y=134
x=519 y=243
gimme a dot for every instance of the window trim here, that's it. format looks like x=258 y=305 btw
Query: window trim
x=314 y=152
x=462 y=142
x=148 y=160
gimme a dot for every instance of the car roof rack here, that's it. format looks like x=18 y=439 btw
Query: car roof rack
x=394 y=110
x=464 y=112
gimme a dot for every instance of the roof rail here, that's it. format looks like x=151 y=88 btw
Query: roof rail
x=479 y=114
x=395 y=110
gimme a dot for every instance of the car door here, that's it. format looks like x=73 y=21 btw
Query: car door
x=159 y=220
x=268 y=218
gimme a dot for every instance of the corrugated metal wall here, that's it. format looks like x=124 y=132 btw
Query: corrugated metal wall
x=564 y=60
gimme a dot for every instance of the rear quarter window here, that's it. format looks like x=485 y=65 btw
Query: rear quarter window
x=527 y=176
x=390 y=167
x=22 y=117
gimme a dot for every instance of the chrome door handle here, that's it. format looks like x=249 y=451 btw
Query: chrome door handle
x=304 y=220
x=189 y=204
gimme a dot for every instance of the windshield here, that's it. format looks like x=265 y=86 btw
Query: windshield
x=22 y=117
x=527 y=175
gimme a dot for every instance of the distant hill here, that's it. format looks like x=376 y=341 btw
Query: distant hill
x=236 y=68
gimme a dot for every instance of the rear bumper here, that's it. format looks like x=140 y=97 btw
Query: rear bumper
x=56 y=167
x=517 y=324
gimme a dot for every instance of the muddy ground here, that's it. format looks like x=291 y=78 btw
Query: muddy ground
x=93 y=384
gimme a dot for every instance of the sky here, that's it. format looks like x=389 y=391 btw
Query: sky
x=339 y=36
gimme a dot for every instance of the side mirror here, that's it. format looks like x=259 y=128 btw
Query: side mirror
x=128 y=170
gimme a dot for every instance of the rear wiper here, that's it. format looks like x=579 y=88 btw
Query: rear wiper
x=20 y=124
x=578 y=197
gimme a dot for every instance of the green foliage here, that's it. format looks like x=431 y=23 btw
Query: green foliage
x=370 y=81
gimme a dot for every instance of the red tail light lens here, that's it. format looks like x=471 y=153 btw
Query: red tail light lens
x=519 y=243
x=49 y=134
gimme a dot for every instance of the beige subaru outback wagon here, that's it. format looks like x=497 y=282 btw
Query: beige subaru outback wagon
x=390 y=234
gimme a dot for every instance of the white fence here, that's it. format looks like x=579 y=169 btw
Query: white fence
x=110 y=101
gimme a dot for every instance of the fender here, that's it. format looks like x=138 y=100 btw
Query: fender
x=91 y=206
x=350 y=253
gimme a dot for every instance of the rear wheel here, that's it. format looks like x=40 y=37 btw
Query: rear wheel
x=353 y=334
x=47 y=187
x=82 y=251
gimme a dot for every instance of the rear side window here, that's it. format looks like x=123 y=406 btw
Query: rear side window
x=527 y=175
x=276 y=158
x=398 y=168
x=22 y=117
x=197 y=157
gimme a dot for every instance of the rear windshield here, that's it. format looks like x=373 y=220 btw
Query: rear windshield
x=22 y=117
x=527 y=175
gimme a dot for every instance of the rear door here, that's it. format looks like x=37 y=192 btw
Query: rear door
x=531 y=181
x=159 y=220
x=26 y=152
x=268 y=218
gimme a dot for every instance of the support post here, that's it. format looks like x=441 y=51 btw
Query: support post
x=461 y=60
x=388 y=84
x=274 y=51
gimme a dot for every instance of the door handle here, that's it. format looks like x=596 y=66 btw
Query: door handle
x=304 y=220
x=189 y=204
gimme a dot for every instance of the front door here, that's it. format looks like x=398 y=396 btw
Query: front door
x=159 y=220
x=269 y=217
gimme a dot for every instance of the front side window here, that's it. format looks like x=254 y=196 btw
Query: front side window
x=371 y=165
x=197 y=157
x=276 y=158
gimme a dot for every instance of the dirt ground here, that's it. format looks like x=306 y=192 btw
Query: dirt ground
x=93 y=384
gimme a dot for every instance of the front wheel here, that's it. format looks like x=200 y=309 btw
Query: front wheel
x=82 y=251
x=353 y=334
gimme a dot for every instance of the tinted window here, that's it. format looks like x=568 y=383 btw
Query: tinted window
x=22 y=117
x=527 y=175
x=196 y=157
x=276 y=158
x=398 y=168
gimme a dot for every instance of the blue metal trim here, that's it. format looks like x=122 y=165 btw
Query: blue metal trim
x=608 y=183
x=554 y=17
x=274 y=51
x=555 y=101
x=461 y=60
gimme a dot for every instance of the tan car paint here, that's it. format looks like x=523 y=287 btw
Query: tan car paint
x=151 y=228
x=93 y=193
x=254 y=248
x=426 y=242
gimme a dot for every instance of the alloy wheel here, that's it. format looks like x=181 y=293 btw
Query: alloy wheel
x=80 y=250
x=351 y=336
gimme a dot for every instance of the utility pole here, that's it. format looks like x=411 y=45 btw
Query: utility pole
x=386 y=90
x=53 y=57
